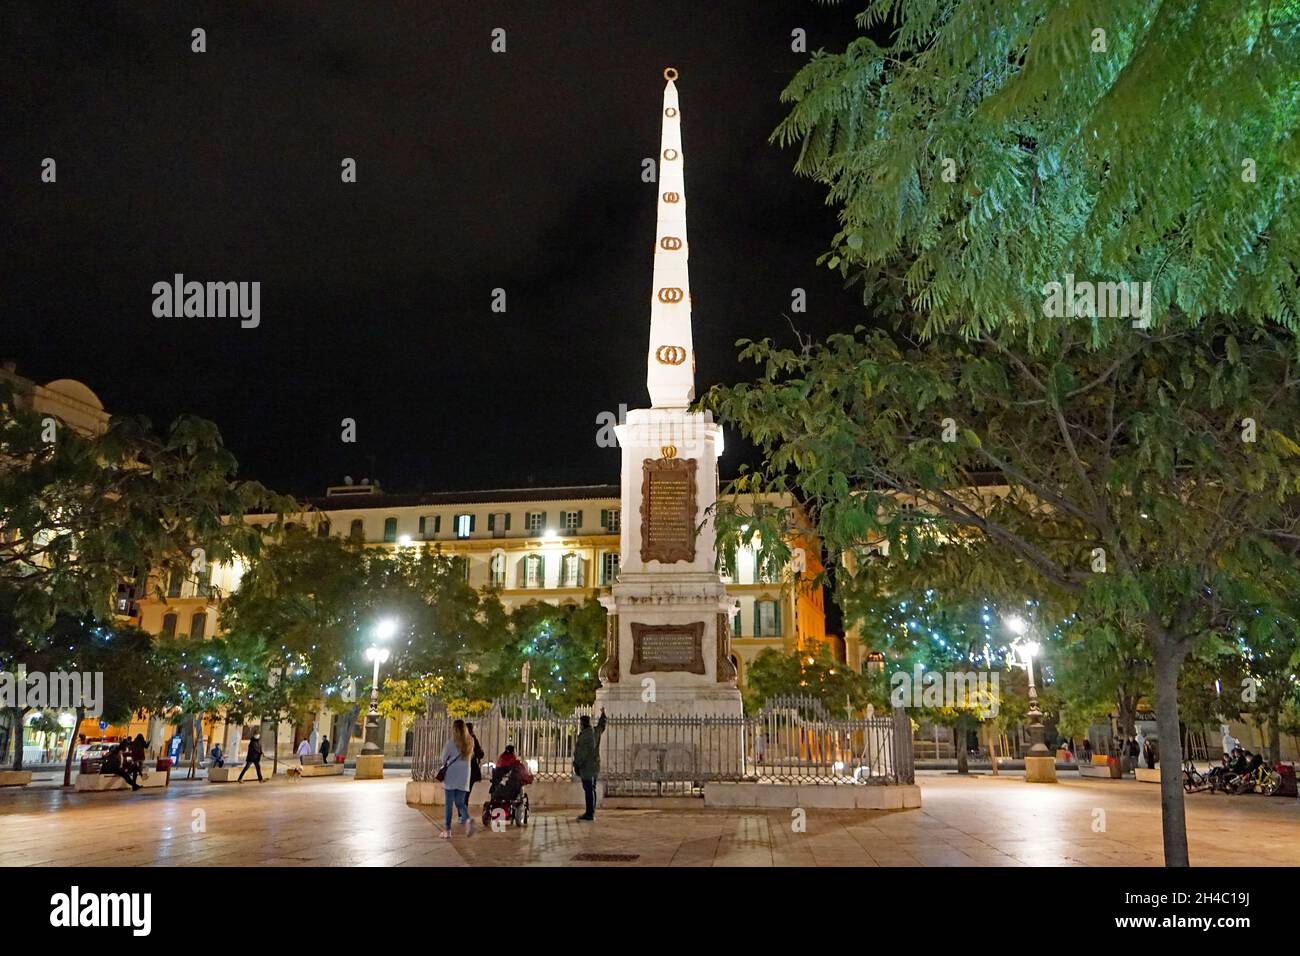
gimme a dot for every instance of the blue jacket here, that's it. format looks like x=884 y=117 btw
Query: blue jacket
x=457 y=777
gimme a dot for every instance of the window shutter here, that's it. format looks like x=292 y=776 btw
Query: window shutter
x=735 y=624
x=507 y=520
x=541 y=571
x=582 y=572
x=604 y=518
x=543 y=525
x=579 y=522
x=758 y=620
x=422 y=521
x=492 y=522
x=471 y=524
x=521 y=573
x=776 y=616
x=437 y=524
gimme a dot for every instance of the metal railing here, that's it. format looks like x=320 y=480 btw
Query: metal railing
x=791 y=740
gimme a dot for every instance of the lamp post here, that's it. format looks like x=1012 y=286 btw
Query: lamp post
x=370 y=762
x=1040 y=764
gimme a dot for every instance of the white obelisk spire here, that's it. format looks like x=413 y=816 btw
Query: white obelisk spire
x=670 y=365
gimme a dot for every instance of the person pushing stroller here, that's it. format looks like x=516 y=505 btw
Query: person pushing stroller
x=506 y=792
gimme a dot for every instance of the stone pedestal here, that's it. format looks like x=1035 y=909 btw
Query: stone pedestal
x=370 y=767
x=1040 y=770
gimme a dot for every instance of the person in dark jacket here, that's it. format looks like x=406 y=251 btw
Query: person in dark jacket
x=586 y=760
x=114 y=764
x=218 y=758
x=325 y=749
x=476 y=761
x=254 y=758
x=137 y=756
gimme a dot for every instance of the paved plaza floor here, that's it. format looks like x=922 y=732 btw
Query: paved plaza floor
x=972 y=821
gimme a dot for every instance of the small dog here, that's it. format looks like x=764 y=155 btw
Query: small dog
x=294 y=773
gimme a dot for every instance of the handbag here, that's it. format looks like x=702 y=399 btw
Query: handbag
x=442 y=771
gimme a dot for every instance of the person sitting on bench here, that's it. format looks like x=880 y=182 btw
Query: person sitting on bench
x=113 y=765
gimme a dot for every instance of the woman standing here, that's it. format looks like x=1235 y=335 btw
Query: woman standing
x=457 y=753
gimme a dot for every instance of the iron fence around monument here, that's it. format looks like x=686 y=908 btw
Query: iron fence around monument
x=789 y=741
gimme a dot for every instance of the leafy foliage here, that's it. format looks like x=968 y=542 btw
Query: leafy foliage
x=986 y=149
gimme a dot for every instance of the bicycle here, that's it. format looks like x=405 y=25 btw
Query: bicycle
x=1193 y=780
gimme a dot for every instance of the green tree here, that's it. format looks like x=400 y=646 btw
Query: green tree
x=985 y=150
x=812 y=673
x=83 y=514
x=1147 y=478
x=563 y=648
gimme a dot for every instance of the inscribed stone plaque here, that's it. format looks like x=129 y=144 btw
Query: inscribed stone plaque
x=668 y=647
x=668 y=510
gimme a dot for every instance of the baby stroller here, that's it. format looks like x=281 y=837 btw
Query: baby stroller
x=506 y=793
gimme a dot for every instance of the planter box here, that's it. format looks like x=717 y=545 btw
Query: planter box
x=1101 y=771
x=95 y=782
x=1147 y=776
x=15 y=778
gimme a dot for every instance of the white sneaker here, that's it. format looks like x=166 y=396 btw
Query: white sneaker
x=445 y=834
x=469 y=827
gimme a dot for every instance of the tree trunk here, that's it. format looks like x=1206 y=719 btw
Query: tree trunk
x=16 y=733
x=993 y=753
x=1273 y=749
x=275 y=750
x=196 y=730
x=959 y=745
x=345 y=739
x=1173 y=813
x=72 y=746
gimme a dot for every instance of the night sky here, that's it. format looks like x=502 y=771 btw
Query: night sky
x=476 y=170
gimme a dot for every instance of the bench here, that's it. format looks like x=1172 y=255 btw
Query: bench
x=15 y=778
x=314 y=765
x=1147 y=776
x=1106 y=768
x=96 y=782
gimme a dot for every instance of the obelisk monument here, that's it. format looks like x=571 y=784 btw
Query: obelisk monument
x=668 y=648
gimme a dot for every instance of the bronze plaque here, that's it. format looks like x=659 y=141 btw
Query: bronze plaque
x=725 y=669
x=668 y=510
x=609 y=669
x=668 y=647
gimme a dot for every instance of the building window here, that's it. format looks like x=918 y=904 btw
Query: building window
x=169 y=625
x=197 y=624
x=571 y=571
x=462 y=566
x=464 y=525
x=534 y=568
x=571 y=521
x=535 y=522
x=735 y=624
x=611 y=519
x=323 y=528
x=203 y=582
x=499 y=523
x=497 y=570
x=358 y=530
x=430 y=525
x=390 y=529
x=174 y=581
x=609 y=568
x=761 y=575
x=767 y=619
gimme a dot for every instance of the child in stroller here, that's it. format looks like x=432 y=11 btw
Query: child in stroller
x=506 y=793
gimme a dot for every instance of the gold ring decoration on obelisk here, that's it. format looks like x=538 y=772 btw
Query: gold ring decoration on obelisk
x=668 y=451
x=670 y=355
x=670 y=74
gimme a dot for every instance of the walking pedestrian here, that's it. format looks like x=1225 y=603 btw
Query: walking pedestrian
x=456 y=755
x=304 y=749
x=254 y=758
x=586 y=760
x=325 y=750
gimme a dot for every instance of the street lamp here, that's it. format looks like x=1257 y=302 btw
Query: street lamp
x=374 y=742
x=1040 y=765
